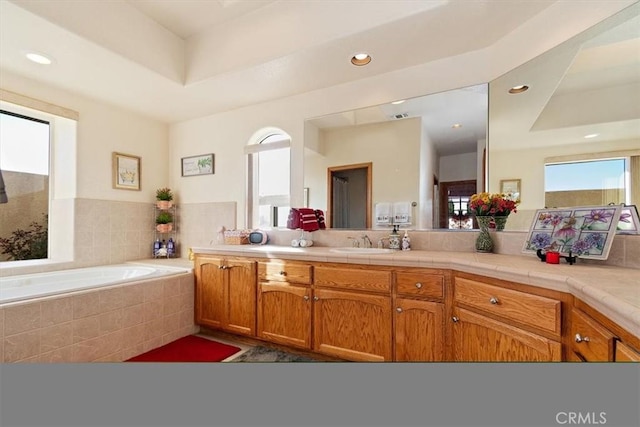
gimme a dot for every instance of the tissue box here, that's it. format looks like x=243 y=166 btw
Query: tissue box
x=236 y=237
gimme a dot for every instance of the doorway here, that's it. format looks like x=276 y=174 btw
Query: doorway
x=349 y=196
x=454 y=204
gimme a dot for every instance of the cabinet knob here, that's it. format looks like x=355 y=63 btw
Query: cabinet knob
x=223 y=267
x=455 y=319
x=316 y=298
x=494 y=300
x=306 y=297
x=419 y=285
x=399 y=309
x=283 y=273
x=580 y=338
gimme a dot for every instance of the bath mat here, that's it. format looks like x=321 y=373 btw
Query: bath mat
x=265 y=354
x=188 y=349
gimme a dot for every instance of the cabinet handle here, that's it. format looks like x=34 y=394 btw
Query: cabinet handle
x=580 y=338
x=399 y=309
x=455 y=319
x=494 y=300
x=306 y=297
x=223 y=267
x=316 y=298
x=419 y=285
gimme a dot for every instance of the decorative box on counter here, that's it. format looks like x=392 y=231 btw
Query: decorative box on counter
x=236 y=237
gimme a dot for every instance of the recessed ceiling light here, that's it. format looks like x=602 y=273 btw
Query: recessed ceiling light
x=456 y=125
x=38 y=58
x=360 y=59
x=398 y=102
x=591 y=135
x=519 y=89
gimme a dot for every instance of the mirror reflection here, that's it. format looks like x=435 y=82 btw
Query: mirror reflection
x=572 y=138
x=391 y=164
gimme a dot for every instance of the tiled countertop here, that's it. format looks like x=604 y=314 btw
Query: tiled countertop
x=614 y=291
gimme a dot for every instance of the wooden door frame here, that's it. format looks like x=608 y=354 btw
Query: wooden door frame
x=330 y=170
x=443 y=197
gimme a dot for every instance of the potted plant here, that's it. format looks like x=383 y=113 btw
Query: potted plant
x=164 y=222
x=164 y=196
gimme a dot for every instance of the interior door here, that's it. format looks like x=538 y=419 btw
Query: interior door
x=349 y=196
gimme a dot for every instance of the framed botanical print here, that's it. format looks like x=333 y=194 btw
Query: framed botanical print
x=585 y=231
x=126 y=171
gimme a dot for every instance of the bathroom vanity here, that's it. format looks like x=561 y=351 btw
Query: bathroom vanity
x=418 y=306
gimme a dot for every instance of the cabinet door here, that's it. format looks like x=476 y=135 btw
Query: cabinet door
x=624 y=353
x=477 y=338
x=284 y=314
x=591 y=340
x=418 y=331
x=210 y=292
x=241 y=297
x=352 y=326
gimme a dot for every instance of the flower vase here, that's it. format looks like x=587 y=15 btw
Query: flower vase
x=500 y=221
x=484 y=243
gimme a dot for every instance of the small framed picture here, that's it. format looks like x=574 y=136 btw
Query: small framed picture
x=510 y=186
x=126 y=171
x=198 y=165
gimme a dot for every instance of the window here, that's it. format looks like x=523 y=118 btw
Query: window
x=24 y=165
x=269 y=180
x=585 y=183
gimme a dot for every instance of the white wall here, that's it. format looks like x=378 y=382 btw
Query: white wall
x=102 y=129
x=459 y=167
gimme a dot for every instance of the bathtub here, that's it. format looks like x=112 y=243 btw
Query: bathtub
x=31 y=286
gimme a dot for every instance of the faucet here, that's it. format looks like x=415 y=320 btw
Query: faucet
x=366 y=241
x=354 y=242
x=381 y=242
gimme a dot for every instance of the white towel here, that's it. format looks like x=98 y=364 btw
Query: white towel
x=383 y=213
x=402 y=213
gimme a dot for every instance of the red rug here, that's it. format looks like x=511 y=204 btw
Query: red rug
x=188 y=349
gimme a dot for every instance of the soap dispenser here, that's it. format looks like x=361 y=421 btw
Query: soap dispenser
x=406 y=242
x=394 y=239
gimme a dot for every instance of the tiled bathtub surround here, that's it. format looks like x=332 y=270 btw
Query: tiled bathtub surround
x=109 y=324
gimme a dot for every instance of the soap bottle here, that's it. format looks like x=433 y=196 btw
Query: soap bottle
x=406 y=242
x=171 y=248
x=156 y=247
x=394 y=239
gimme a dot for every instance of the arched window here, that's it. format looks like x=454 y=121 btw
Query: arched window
x=268 y=187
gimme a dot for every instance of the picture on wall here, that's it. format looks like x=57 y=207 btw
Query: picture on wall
x=198 y=165
x=585 y=231
x=126 y=171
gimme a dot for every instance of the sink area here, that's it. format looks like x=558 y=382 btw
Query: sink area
x=371 y=251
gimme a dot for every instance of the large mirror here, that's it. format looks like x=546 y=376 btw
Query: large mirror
x=588 y=85
x=572 y=138
x=389 y=163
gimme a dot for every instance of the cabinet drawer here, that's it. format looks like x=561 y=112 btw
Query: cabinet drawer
x=590 y=339
x=624 y=353
x=420 y=284
x=353 y=278
x=534 y=310
x=283 y=271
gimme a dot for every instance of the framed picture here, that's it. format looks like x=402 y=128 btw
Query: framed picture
x=198 y=165
x=126 y=171
x=510 y=186
x=585 y=231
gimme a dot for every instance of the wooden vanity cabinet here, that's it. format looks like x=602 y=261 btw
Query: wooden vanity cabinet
x=225 y=294
x=596 y=338
x=493 y=323
x=352 y=313
x=284 y=302
x=418 y=315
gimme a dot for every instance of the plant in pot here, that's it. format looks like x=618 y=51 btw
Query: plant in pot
x=164 y=222
x=164 y=196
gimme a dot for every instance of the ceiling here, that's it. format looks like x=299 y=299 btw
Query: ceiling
x=175 y=60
